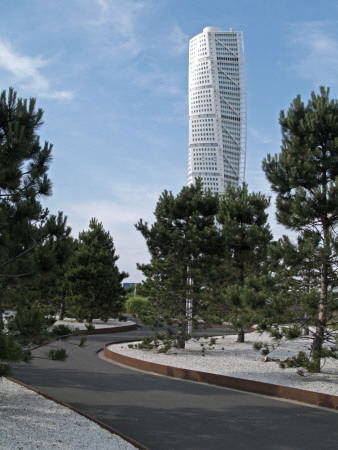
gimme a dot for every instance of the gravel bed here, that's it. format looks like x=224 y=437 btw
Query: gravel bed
x=111 y=323
x=29 y=421
x=228 y=357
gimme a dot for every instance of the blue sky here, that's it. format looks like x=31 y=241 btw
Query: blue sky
x=112 y=79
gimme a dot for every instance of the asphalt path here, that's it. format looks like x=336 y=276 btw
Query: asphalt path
x=164 y=413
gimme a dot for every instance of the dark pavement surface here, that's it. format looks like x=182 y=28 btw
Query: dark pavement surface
x=164 y=413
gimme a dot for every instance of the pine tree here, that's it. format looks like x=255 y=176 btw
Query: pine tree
x=304 y=176
x=23 y=180
x=94 y=280
x=63 y=247
x=246 y=234
x=44 y=286
x=183 y=243
x=49 y=288
x=26 y=227
x=298 y=265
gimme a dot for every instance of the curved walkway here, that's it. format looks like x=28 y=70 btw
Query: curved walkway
x=257 y=387
x=163 y=413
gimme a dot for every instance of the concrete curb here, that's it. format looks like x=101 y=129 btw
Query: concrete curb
x=109 y=330
x=257 y=387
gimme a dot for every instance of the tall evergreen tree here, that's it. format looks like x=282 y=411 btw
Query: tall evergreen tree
x=63 y=247
x=305 y=176
x=49 y=288
x=23 y=180
x=43 y=285
x=26 y=227
x=183 y=243
x=246 y=234
x=94 y=280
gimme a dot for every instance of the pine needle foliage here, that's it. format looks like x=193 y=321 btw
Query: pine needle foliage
x=305 y=178
x=184 y=243
x=94 y=281
x=28 y=231
x=244 y=269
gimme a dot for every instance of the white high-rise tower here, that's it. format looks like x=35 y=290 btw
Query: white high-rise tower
x=217 y=109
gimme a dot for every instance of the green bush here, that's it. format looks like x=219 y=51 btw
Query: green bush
x=58 y=354
x=134 y=305
x=62 y=331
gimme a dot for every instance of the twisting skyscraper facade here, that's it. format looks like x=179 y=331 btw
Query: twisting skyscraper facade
x=217 y=109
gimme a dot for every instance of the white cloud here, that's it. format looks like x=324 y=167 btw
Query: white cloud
x=114 y=23
x=177 y=41
x=261 y=138
x=316 y=50
x=26 y=72
x=120 y=28
x=160 y=81
x=122 y=14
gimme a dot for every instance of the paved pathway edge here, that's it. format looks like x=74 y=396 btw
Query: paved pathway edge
x=257 y=387
x=101 y=424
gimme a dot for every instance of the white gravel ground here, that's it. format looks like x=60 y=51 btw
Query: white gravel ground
x=111 y=323
x=240 y=360
x=29 y=421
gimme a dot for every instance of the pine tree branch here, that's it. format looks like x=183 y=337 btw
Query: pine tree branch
x=16 y=276
x=15 y=258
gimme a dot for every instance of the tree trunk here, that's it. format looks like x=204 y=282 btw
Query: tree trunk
x=189 y=307
x=181 y=342
x=240 y=331
x=62 y=309
x=317 y=344
x=182 y=334
x=240 y=335
x=305 y=327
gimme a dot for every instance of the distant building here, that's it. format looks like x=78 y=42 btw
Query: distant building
x=217 y=109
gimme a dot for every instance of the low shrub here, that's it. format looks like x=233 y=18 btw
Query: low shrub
x=134 y=305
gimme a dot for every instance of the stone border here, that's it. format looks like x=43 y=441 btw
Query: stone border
x=98 y=422
x=257 y=387
x=109 y=330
